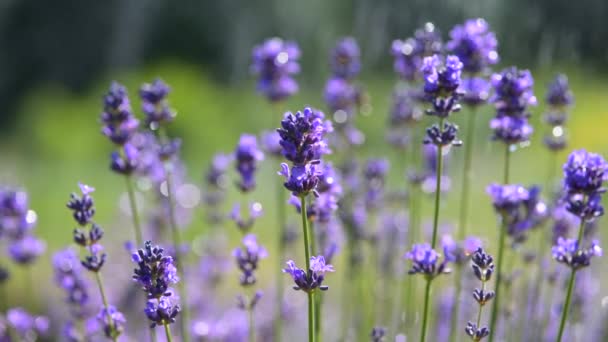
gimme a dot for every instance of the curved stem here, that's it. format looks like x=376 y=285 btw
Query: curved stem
x=104 y=300
x=425 y=315
x=562 y=323
x=134 y=213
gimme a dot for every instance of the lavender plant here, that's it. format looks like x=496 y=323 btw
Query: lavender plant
x=82 y=206
x=483 y=267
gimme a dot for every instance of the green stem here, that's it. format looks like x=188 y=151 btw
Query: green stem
x=562 y=323
x=177 y=243
x=168 y=333
x=281 y=219
x=501 y=247
x=425 y=315
x=134 y=212
x=307 y=246
x=251 y=325
x=437 y=188
x=104 y=300
x=464 y=212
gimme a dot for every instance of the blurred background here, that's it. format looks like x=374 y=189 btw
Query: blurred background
x=57 y=60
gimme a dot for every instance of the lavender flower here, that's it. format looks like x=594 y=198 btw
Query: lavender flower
x=26 y=325
x=459 y=251
x=345 y=58
x=16 y=219
x=117 y=117
x=275 y=62
x=271 y=143
x=82 y=206
x=584 y=174
x=340 y=94
x=476 y=91
x=409 y=53
x=483 y=268
x=568 y=252
x=403 y=110
x=112 y=321
x=245 y=224
x=512 y=96
x=247 y=259
x=155 y=272
x=474 y=44
x=154 y=103
x=309 y=281
x=426 y=261
x=507 y=199
x=69 y=276
x=441 y=82
x=559 y=94
x=247 y=155
x=559 y=99
x=27 y=249
x=377 y=334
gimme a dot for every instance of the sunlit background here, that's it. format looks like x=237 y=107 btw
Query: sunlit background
x=57 y=60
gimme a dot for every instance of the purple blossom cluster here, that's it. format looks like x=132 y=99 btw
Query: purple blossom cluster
x=559 y=98
x=426 y=261
x=312 y=279
x=409 y=53
x=275 y=62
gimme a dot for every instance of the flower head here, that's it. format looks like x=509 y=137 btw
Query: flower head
x=511 y=130
x=112 y=321
x=16 y=218
x=441 y=78
x=119 y=123
x=345 y=58
x=507 y=198
x=476 y=91
x=27 y=249
x=340 y=94
x=83 y=206
x=247 y=156
x=275 y=62
x=559 y=94
x=312 y=279
x=154 y=103
x=513 y=92
x=162 y=311
x=302 y=136
x=426 y=261
x=584 y=173
x=155 y=271
x=474 y=44
x=569 y=252
x=70 y=278
x=247 y=258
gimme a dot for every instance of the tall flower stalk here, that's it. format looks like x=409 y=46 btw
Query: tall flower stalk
x=112 y=321
x=584 y=174
x=476 y=47
x=441 y=82
x=120 y=125
x=483 y=267
x=302 y=142
x=512 y=96
x=158 y=114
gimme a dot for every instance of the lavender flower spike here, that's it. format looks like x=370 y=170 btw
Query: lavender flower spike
x=247 y=259
x=309 y=281
x=275 y=62
x=474 y=44
x=567 y=251
x=426 y=261
x=345 y=58
x=117 y=116
x=247 y=156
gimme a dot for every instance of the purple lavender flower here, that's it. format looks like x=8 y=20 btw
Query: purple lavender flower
x=340 y=94
x=567 y=251
x=302 y=136
x=584 y=174
x=112 y=321
x=247 y=156
x=247 y=259
x=271 y=143
x=559 y=94
x=476 y=91
x=154 y=103
x=426 y=261
x=403 y=110
x=312 y=279
x=377 y=334
x=119 y=123
x=82 y=206
x=507 y=198
x=26 y=325
x=445 y=136
x=216 y=173
x=16 y=219
x=163 y=310
x=483 y=268
x=441 y=83
x=474 y=44
x=375 y=173
x=511 y=130
x=302 y=179
x=345 y=58
x=245 y=224
x=407 y=61
x=69 y=276
x=459 y=251
x=274 y=62
x=513 y=94
x=155 y=271
x=27 y=249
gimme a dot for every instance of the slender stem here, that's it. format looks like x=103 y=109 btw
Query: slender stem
x=562 y=323
x=168 y=332
x=425 y=315
x=307 y=246
x=251 y=325
x=437 y=188
x=483 y=290
x=104 y=300
x=134 y=213
x=281 y=219
x=177 y=244
x=507 y=166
